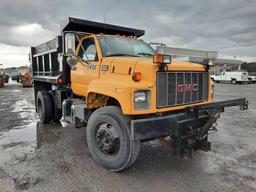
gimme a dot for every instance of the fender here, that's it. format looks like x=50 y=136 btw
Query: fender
x=120 y=91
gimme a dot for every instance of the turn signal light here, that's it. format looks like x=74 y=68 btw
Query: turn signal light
x=59 y=81
x=162 y=59
x=136 y=76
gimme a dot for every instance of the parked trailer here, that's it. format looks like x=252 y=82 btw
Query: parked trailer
x=104 y=78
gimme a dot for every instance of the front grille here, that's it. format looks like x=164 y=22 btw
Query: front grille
x=179 y=88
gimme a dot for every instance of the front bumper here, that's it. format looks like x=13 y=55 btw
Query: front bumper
x=187 y=128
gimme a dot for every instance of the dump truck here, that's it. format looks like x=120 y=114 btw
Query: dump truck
x=26 y=79
x=106 y=79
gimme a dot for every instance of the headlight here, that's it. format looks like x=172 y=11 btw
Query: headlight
x=141 y=99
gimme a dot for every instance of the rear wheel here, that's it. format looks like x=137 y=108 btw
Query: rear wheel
x=44 y=106
x=109 y=139
x=56 y=111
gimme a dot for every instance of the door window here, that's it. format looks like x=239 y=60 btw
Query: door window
x=88 y=50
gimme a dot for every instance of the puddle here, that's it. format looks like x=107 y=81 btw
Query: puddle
x=25 y=133
x=17 y=143
x=25 y=110
x=20 y=141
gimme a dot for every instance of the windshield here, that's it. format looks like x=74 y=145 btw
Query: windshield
x=121 y=46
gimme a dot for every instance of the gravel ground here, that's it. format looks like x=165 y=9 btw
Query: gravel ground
x=36 y=157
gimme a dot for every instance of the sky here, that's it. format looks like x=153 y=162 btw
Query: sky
x=225 y=26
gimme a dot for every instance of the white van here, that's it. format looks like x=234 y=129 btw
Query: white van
x=231 y=76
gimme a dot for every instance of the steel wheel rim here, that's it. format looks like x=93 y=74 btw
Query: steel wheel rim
x=107 y=139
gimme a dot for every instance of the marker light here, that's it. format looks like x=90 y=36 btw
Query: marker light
x=59 y=81
x=162 y=59
x=136 y=76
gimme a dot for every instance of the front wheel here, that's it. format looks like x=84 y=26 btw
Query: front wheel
x=109 y=139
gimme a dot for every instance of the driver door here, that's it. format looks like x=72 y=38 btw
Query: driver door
x=87 y=69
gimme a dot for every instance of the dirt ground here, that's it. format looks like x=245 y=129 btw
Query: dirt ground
x=36 y=157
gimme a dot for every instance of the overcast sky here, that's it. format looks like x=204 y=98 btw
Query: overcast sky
x=226 y=26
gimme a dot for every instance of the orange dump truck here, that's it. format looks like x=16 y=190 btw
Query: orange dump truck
x=105 y=78
x=26 y=79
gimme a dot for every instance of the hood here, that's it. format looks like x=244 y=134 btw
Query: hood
x=127 y=65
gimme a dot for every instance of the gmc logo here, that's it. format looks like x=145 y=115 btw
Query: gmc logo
x=187 y=88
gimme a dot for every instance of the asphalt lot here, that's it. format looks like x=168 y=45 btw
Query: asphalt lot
x=36 y=157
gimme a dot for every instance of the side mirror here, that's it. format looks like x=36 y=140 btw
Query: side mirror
x=72 y=61
x=70 y=46
x=70 y=43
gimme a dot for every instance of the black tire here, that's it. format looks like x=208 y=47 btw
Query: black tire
x=233 y=81
x=44 y=106
x=56 y=112
x=128 y=149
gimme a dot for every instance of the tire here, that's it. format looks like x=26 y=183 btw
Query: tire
x=44 y=106
x=233 y=81
x=124 y=150
x=213 y=79
x=56 y=112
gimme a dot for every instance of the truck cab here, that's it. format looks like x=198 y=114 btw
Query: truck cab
x=111 y=63
x=104 y=78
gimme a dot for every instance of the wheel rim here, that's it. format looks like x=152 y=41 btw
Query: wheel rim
x=107 y=139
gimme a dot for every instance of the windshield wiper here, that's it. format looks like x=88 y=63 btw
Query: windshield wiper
x=145 y=54
x=121 y=54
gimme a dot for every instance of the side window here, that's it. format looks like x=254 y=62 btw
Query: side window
x=88 y=50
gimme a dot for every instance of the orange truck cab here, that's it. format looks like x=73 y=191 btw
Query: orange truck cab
x=105 y=78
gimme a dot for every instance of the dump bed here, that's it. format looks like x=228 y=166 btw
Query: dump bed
x=44 y=60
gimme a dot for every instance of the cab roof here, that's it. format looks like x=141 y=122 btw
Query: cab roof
x=80 y=25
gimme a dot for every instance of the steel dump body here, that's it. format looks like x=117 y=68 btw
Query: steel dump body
x=44 y=60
